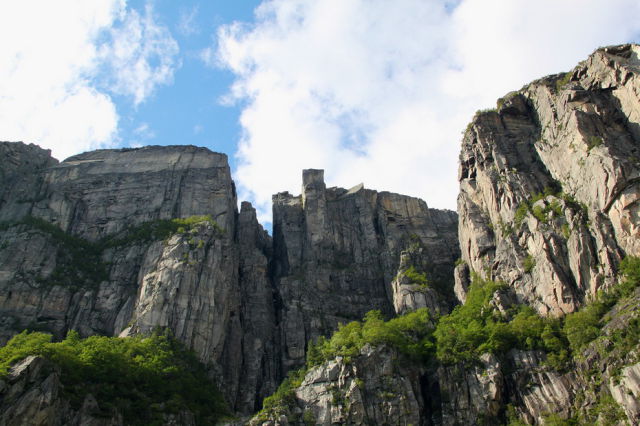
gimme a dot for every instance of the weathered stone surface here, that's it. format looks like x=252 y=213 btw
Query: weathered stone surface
x=471 y=393
x=260 y=373
x=577 y=137
x=337 y=252
x=21 y=176
x=412 y=289
x=375 y=388
x=33 y=396
x=193 y=283
x=102 y=192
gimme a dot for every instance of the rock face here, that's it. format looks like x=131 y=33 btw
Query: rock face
x=549 y=190
x=80 y=254
x=120 y=242
x=376 y=388
x=81 y=248
x=337 y=252
x=381 y=386
x=574 y=139
x=32 y=394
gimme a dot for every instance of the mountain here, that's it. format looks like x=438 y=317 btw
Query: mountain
x=125 y=242
x=363 y=307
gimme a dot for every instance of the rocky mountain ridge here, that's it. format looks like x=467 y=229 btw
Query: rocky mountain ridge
x=128 y=242
x=548 y=206
x=123 y=242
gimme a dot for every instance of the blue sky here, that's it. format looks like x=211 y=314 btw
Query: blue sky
x=189 y=110
x=372 y=91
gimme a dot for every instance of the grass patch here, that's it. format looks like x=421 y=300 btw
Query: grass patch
x=563 y=80
x=529 y=263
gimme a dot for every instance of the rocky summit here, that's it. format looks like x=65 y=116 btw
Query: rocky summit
x=134 y=291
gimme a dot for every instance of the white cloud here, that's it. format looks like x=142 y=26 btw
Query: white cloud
x=380 y=91
x=187 y=24
x=140 y=55
x=53 y=55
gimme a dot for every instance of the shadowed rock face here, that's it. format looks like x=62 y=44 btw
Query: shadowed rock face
x=337 y=252
x=575 y=139
x=100 y=277
x=74 y=255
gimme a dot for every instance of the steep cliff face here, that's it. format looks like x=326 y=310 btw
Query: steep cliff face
x=337 y=253
x=93 y=248
x=122 y=242
x=549 y=183
x=33 y=393
x=548 y=205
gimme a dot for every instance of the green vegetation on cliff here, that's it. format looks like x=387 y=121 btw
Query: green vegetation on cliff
x=79 y=261
x=471 y=329
x=141 y=377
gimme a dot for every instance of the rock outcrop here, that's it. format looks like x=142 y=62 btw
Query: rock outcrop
x=548 y=204
x=125 y=242
x=91 y=244
x=549 y=183
x=86 y=252
x=32 y=394
x=337 y=252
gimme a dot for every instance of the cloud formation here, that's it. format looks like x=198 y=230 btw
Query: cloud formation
x=139 y=55
x=380 y=91
x=53 y=89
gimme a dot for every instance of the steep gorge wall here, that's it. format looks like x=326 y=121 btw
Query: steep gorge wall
x=74 y=254
x=337 y=255
x=548 y=205
x=549 y=183
x=82 y=247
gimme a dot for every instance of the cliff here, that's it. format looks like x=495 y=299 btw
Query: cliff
x=549 y=183
x=364 y=307
x=547 y=333
x=125 y=242
x=337 y=255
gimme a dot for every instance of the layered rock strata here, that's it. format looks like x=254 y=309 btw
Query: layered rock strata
x=549 y=183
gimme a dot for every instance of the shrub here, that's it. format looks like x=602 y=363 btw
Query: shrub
x=529 y=263
x=593 y=142
x=521 y=213
x=416 y=277
x=583 y=326
x=630 y=270
x=142 y=377
x=563 y=80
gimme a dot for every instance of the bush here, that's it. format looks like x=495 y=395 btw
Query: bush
x=141 y=377
x=529 y=263
x=416 y=277
x=410 y=334
x=630 y=270
x=593 y=142
x=20 y=347
x=563 y=80
x=583 y=326
x=476 y=328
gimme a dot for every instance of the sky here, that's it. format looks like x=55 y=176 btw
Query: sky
x=372 y=91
